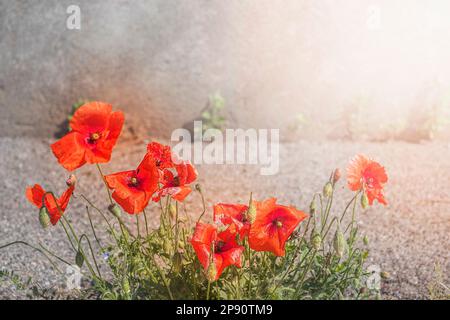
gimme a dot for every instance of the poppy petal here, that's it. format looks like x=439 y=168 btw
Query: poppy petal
x=70 y=151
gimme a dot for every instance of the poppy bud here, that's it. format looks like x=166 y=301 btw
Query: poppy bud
x=385 y=275
x=211 y=272
x=181 y=244
x=316 y=240
x=336 y=175
x=339 y=243
x=251 y=213
x=177 y=262
x=364 y=201
x=126 y=287
x=79 y=259
x=115 y=210
x=198 y=187
x=44 y=217
x=166 y=246
x=327 y=190
x=71 y=181
x=172 y=212
x=312 y=207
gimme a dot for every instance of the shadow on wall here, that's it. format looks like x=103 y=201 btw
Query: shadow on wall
x=275 y=62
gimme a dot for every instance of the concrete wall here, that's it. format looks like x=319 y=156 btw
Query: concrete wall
x=160 y=59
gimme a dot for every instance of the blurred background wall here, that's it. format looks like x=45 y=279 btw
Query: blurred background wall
x=368 y=69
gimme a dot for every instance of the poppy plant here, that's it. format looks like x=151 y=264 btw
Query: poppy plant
x=95 y=129
x=134 y=188
x=233 y=215
x=175 y=181
x=273 y=226
x=226 y=251
x=367 y=175
x=35 y=195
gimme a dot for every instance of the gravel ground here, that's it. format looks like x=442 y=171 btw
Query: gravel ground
x=407 y=238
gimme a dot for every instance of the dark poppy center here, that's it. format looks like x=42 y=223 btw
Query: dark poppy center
x=278 y=223
x=93 y=137
x=176 y=182
x=134 y=182
x=219 y=246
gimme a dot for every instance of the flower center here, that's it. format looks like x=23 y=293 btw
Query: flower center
x=176 y=181
x=93 y=137
x=278 y=223
x=219 y=246
x=134 y=181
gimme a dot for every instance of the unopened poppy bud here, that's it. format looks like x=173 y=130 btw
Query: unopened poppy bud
x=336 y=175
x=44 y=217
x=172 y=212
x=126 y=286
x=251 y=213
x=312 y=207
x=177 y=262
x=166 y=246
x=211 y=272
x=198 y=187
x=339 y=243
x=316 y=240
x=79 y=259
x=71 y=181
x=115 y=210
x=181 y=244
x=364 y=201
x=327 y=190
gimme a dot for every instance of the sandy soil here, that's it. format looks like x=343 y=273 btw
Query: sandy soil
x=407 y=238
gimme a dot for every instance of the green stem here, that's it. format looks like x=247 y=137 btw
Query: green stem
x=146 y=223
x=138 y=226
x=35 y=248
x=93 y=229
x=104 y=181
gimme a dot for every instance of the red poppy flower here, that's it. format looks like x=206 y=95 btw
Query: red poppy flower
x=368 y=175
x=273 y=226
x=161 y=154
x=226 y=251
x=95 y=129
x=36 y=193
x=233 y=215
x=133 y=189
x=175 y=181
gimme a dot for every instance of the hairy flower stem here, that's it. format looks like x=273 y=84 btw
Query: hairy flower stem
x=93 y=229
x=162 y=276
x=305 y=272
x=146 y=222
x=348 y=205
x=84 y=236
x=138 y=227
x=203 y=203
x=104 y=181
x=38 y=250
x=208 y=290
x=111 y=229
x=327 y=210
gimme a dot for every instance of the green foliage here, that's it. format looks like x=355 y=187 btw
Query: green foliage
x=163 y=264
x=213 y=115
